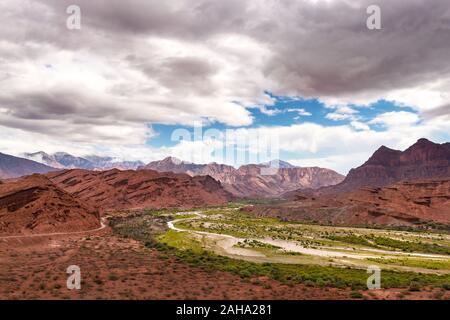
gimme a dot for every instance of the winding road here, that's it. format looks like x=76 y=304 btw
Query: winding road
x=102 y=226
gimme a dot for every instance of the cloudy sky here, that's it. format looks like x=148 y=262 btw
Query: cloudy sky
x=306 y=71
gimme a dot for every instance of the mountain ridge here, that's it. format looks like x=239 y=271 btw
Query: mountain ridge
x=64 y=160
x=422 y=160
x=14 y=167
x=253 y=180
x=130 y=189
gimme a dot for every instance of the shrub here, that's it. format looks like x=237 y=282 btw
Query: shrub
x=414 y=286
x=113 y=277
x=356 y=295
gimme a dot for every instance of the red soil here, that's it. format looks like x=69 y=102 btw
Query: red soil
x=35 y=205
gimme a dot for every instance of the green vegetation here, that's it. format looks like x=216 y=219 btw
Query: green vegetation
x=181 y=240
x=352 y=239
x=247 y=243
x=389 y=243
x=409 y=246
x=290 y=274
x=414 y=262
x=190 y=250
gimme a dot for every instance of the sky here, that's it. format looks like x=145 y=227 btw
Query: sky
x=139 y=74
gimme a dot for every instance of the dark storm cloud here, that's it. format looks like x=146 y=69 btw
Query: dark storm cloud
x=327 y=50
x=192 y=19
x=320 y=49
x=190 y=75
x=437 y=112
x=55 y=105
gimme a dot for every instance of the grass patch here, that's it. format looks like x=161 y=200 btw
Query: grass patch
x=415 y=263
x=409 y=246
x=352 y=239
x=181 y=240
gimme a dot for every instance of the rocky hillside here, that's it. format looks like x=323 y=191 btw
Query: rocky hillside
x=423 y=160
x=33 y=204
x=401 y=204
x=115 y=189
x=254 y=181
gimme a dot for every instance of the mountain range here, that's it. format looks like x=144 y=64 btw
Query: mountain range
x=13 y=167
x=63 y=160
x=264 y=180
x=254 y=180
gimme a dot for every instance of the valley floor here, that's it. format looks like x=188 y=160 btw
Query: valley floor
x=116 y=268
x=239 y=235
x=120 y=265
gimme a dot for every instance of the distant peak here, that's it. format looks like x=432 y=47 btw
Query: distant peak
x=173 y=160
x=423 y=142
x=384 y=148
x=61 y=154
x=383 y=156
x=277 y=163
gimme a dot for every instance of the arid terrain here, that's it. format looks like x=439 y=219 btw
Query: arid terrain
x=35 y=205
x=224 y=149
x=157 y=234
x=113 y=267
x=415 y=203
x=116 y=189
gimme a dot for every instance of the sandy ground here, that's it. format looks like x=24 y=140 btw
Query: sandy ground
x=116 y=268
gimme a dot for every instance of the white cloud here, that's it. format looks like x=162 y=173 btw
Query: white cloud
x=396 y=119
x=358 y=125
x=342 y=113
x=299 y=111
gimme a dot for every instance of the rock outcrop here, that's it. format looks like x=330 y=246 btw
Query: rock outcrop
x=115 y=189
x=34 y=204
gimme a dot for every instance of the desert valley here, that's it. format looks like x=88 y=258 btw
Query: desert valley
x=171 y=229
